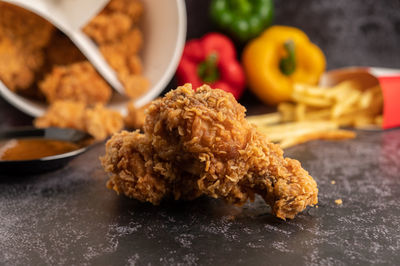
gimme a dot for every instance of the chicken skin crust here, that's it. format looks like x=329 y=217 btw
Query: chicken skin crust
x=199 y=142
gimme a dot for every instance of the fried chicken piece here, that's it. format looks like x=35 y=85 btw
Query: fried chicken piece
x=135 y=65
x=116 y=32
x=62 y=51
x=122 y=57
x=28 y=30
x=115 y=21
x=79 y=82
x=128 y=45
x=120 y=61
x=132 y=8
x=105 y=27
x=13 y=71
x=136 y=116
x=135 y=85
x=116 y=59
x=97 y=121
x=101 y=122
x=65 y=114
x=198 y=143
x=22 y=37
x=131 y=42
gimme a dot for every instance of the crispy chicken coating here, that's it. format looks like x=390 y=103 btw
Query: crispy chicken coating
x=114 y=21
x=26 y=29
x=135 y=117
x=61 y=51
x=197 y=143
x=135 y=85
x=119 y=53
x=116 y=32
x=105 y=27
x=13 y=71
x=22 y=37
x=97 y=121
x=65 y=114
x=101 y=122
x=132 y=8
x=78 y=82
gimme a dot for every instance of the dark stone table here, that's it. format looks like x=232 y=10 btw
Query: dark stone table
x=68 y=217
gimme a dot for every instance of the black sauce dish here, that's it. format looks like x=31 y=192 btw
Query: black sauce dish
x=45 y=164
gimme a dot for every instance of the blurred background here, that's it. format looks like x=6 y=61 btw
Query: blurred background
x=350 y=33
x=357 y=32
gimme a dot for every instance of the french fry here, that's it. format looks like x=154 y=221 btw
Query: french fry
x=266 y=119
x=339 y=91
x=279 y=132
x=300 y=112
x=378 y=120
x=287 y=111
x=337 y=134
x=348 y=119
x=376 y=106
x=317 y=113
x=344 y=105
x=322 y=114
x=310 y=90
x=311 y=101
x=363 y=121
x=366 y=98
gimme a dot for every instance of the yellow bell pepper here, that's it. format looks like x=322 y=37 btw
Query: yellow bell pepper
x=277 y=59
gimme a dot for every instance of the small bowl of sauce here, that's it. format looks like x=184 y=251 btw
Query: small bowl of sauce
x=32 y=151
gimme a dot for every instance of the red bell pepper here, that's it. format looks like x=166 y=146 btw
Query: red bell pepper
x=212 y=60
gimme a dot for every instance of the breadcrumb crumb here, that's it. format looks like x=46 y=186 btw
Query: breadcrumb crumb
x=339 y=201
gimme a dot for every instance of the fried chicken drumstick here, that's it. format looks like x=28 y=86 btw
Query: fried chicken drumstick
x=197 y=143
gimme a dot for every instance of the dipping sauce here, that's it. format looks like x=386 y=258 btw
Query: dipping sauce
x=33 y=148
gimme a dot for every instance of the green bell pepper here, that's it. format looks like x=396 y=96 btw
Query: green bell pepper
x=244 y=19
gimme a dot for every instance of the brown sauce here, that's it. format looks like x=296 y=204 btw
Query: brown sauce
x=33 y=148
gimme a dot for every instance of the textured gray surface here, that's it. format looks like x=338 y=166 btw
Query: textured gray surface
x=69 y=217
x=351 y=33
